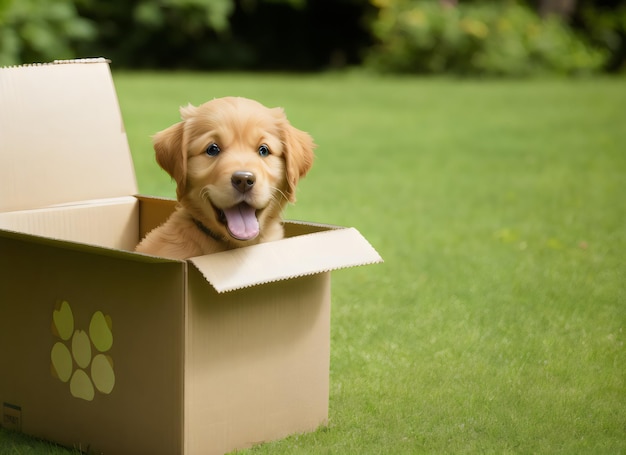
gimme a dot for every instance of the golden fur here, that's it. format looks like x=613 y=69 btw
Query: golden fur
x=208 y=153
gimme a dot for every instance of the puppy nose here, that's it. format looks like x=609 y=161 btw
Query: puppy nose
x=243 y=180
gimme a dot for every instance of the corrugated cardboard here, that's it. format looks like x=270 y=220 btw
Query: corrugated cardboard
x=62 y=137
x=111 y=351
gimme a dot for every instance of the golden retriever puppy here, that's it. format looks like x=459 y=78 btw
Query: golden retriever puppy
x=236 y=164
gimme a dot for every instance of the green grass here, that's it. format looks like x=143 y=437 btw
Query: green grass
x=496 y=324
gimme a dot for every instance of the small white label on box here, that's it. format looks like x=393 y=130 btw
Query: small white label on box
x=11 y=417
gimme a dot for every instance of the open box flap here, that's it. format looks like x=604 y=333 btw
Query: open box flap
x=288 y=258
x=61 y=136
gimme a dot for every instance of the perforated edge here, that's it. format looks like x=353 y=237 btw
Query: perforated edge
x=226 y=289
x=82 y=60
x=62 y=62
x=375 y=258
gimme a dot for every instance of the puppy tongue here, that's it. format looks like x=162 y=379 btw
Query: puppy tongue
x=241 y=221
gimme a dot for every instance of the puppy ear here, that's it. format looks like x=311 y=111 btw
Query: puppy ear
x=171 y=154
x=298 y=154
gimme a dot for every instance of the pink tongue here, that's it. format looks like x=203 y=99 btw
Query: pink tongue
x=242 y=222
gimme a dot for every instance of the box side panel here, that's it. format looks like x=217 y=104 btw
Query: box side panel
x=92 y=348
x=61 y=136
x=112 y=224
x=295 y=228
x=257 y=363
x=153 y=212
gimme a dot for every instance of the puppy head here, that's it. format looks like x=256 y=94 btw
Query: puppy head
x=236 y=164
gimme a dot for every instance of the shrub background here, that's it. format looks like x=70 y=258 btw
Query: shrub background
x=465 y=37
x=503 y=38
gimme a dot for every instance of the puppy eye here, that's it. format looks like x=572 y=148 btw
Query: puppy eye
x=213 y=150
x=264 y=150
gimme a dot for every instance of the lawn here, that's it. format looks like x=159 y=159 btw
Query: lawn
x=496 y=323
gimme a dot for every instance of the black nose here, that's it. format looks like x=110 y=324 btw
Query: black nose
x=243 y=180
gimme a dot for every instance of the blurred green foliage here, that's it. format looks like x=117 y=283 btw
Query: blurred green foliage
x=197 y=14
x=153 y=33
x=467 y=37
x=605 y=25
x=504 y=38
x=36 y=30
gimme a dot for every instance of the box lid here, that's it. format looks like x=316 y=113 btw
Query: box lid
x=288 y=258
x=61 y=135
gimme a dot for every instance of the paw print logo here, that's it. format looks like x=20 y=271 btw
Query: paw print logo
x=72 y=357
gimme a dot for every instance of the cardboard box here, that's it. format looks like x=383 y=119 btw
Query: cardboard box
x=112 y=351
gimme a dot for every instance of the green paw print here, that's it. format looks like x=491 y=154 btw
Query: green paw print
x=72 y=357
